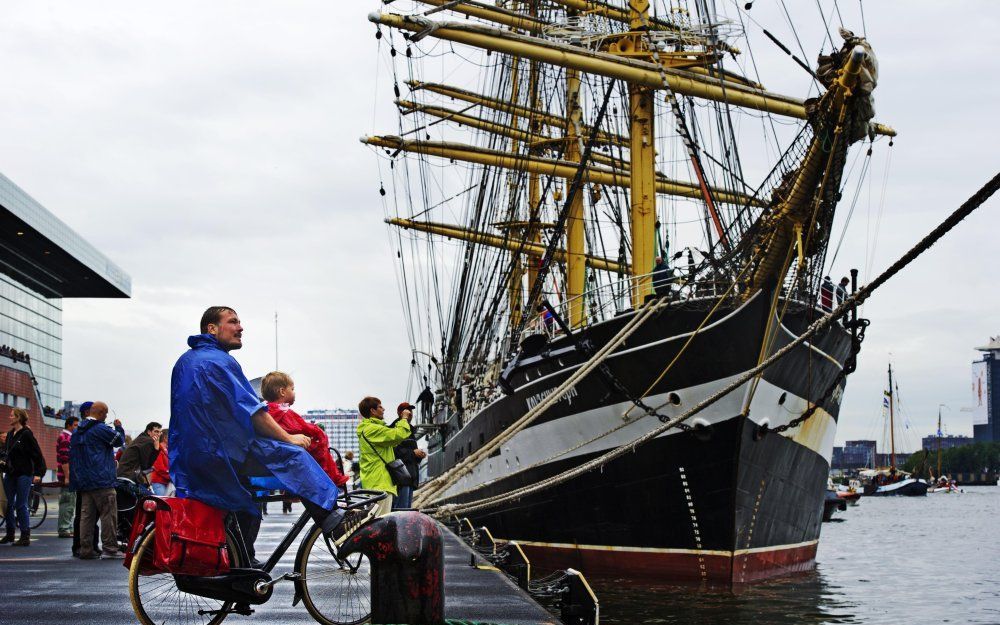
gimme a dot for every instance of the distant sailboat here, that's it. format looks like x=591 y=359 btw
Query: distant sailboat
x=890 y=480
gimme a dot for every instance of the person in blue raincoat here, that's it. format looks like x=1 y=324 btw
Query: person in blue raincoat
x=220 y=430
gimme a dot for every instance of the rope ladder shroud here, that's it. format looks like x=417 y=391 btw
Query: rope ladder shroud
x=862 y=294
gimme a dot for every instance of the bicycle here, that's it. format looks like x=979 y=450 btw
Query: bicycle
x=38 y=508
x=334 y=590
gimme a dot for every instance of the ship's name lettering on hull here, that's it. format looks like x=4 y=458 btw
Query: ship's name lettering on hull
x=534 y=400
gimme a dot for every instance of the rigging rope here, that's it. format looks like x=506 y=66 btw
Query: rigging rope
x=854 y=299
x=447 y=479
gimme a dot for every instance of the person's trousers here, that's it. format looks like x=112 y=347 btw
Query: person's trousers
x=250 y=523
x=76 y=526
x=17 y=488
x=102 y=503
x=404 y=498
x=67 y=506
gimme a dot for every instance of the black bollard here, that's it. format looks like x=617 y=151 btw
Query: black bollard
x=407 y=562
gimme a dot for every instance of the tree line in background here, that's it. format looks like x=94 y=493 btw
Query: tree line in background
x=974 y=458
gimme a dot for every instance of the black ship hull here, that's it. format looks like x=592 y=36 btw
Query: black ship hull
x=725 y=501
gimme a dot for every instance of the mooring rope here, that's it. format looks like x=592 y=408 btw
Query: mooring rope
x=854 y=299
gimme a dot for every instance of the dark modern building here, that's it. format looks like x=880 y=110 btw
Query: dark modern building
x=986 y=393
x=853 y=455
x=947 y=442
x=42 y=262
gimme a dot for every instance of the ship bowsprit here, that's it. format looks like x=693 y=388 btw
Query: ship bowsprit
x=722 y=501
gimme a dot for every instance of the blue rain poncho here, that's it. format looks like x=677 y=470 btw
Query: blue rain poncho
x=211 y=435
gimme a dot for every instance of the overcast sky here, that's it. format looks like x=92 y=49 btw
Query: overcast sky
x=210 y=150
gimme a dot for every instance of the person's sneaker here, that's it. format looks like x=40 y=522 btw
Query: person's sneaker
x=352 y=522
x=65 y=534
x=23 y=541
x=9 y=538
x=114 y=555
x=89 y=556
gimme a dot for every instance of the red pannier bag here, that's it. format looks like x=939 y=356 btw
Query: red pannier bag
x=190 y=538
x=141 y=519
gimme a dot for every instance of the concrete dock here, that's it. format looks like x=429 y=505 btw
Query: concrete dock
x=44 y=584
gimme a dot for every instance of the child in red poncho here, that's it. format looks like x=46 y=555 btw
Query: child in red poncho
x=278 y=390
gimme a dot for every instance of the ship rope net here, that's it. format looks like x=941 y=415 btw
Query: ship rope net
x=839 y=312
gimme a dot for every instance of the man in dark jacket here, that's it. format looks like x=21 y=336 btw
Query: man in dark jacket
x=411 y=455
x=91 y=454
x=141 y=454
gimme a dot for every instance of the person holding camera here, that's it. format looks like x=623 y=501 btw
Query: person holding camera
x=23 y=465
x=376 y=441
x=411 y=455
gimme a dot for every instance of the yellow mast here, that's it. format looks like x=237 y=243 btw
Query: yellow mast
x=642 y=183
x=576 y=270
x=514 y=283
x=533 y=234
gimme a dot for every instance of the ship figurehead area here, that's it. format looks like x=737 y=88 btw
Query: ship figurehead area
x=591 y=242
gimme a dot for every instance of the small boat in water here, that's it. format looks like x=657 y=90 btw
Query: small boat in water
x=885 y=482
x=944 y=485
x=850 y=495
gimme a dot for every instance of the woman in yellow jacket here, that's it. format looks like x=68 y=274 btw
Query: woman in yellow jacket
x=376 y=441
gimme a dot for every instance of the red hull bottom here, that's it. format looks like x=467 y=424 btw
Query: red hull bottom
x=719 y=567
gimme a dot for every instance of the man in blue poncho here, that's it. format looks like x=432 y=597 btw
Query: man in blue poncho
x=220 y=430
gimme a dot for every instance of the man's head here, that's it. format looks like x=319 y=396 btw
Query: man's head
x=71 y=423
x=278 y=387
x=371 y=407
x=844 y=281
x=99 y=411
x=153 y=429
x=405 y=407
x=223 y=323
x=85 y=409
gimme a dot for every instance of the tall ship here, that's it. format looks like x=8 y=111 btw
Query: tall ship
x=601 y=217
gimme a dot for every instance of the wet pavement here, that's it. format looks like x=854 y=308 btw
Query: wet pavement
x=44 y=584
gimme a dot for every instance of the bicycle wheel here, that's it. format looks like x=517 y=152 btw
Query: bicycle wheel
x=336 y=591
x=37 y=509
x=156 y=600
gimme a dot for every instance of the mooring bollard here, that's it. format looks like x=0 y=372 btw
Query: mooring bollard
x=407 y=562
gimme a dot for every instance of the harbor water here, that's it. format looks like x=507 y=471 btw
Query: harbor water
x=891 y=560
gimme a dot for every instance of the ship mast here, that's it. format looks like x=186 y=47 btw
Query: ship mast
x=939 y=442
x=892 y=426
x=642 y=157
x=576 y=269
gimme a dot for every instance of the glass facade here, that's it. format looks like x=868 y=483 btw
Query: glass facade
x=32 y=324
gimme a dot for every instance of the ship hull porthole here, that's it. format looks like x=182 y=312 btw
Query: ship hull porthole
x=702 y=430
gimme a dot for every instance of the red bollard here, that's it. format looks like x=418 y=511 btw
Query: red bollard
x=407 y=561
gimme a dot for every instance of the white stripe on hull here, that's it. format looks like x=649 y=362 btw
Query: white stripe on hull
x=574 y=435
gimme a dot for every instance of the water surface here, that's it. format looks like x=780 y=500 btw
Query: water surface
x=891 y=560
